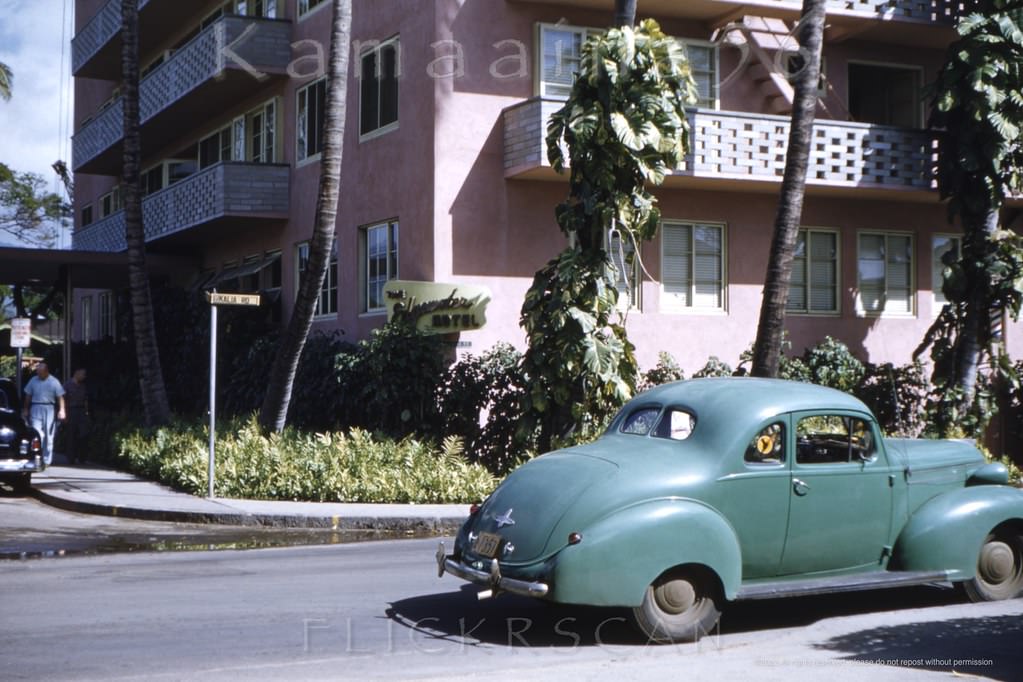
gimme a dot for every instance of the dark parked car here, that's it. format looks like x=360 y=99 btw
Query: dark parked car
x=21 y=451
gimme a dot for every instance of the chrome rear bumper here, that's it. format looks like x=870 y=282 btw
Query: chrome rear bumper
x=492 y=580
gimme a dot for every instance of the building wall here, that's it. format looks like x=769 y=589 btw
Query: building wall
x=441 y=174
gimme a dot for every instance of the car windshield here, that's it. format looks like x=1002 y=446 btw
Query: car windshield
x=673 y=423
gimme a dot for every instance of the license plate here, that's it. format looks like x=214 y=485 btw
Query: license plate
x=486 y=544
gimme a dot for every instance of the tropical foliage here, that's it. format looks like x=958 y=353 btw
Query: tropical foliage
x=978 y=109
x=318 y=467
x=28 y=212
x=624 y=126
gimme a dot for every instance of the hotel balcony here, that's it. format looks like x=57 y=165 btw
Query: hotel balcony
x=224 y=197
x=738 y=150
x=224 y=63
x=922 y=23
x=96 y=49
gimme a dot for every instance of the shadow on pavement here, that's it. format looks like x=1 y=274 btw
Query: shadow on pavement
x=988 y=646
x=514 y=621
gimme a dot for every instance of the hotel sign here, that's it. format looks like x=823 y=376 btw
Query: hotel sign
x=435 y=307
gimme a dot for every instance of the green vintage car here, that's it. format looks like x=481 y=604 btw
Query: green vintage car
x=715 y=490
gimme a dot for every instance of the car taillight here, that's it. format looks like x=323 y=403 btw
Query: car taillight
x=473 y=509
x=36 y=445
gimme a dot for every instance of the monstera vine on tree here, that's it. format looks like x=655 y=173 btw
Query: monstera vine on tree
x=978 y=109
x=625 y=128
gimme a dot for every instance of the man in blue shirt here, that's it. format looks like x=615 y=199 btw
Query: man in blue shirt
x=44 y=396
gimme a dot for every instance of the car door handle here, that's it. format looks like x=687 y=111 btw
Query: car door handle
x=800 y=487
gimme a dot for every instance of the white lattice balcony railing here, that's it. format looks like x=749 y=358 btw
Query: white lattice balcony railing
x=729 y=145
x=208 y=74
x=251 y=191
x=915 y=11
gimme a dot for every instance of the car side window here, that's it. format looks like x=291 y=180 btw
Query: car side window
x=832 y=439
x=768 y=446
x=641 y=421
x=676 y=424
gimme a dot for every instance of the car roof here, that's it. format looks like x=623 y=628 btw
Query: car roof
x=726 y=398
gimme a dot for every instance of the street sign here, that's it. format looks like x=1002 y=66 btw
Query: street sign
x=233 y=299
x=21 y=332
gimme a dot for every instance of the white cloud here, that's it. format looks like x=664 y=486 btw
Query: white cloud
x=33 y=124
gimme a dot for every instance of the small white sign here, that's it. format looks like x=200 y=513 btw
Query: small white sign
x=21 y=332
x=234 y=299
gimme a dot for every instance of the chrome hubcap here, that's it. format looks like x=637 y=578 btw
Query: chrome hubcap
x=996 y=562
x=675 y=596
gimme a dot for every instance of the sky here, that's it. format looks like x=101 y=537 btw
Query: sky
x=34 y=124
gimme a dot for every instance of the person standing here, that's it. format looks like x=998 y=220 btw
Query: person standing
x=44 y=406
x=76 y=398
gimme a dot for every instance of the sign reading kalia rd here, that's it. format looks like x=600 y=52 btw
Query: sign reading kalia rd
x=233 y=299
x=436 y=307
x=21 y=332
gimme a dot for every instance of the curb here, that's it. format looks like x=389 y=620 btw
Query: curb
x=394 y=524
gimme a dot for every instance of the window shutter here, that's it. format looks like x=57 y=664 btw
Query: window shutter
x=676 y=258
x=899 y=277
x=823 y=272
x=797 y=283
x=561 y=53
x=707 y=267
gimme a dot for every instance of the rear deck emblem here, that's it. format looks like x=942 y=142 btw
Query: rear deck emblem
x=505 y=519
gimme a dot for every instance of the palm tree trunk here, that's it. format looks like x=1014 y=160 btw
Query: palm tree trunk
x=274 y=412
x=976 y=329
x=154 y=393
x=767 y=348
x=625 y=13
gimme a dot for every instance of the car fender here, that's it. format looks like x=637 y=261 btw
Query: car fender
x=947 y=531
x=621 y=554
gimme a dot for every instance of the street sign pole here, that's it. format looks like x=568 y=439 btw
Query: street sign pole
x=213 y=393
x=216 y=299
x=21 y=338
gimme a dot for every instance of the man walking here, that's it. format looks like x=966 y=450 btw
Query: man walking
x=42 y=395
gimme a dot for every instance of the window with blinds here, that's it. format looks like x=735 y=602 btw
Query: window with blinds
x=692 y=265
x=560 y=52
x=885 y=273
x=943 y=246
x=814 y=284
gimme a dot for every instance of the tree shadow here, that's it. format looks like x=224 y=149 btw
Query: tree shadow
x=514 y=621
x=987 y=646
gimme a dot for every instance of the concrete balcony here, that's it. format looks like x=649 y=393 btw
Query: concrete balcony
x=924 y=23
x=96 y=49
x=225 y=197
x=226 y=62
x=746 y=152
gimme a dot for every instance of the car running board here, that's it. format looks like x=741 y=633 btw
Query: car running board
x=875 y=580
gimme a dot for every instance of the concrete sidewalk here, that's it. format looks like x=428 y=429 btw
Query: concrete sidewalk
x=93 y=489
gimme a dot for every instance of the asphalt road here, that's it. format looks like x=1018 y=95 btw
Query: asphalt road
x=377 y=611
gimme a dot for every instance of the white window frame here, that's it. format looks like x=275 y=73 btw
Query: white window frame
x=303 y=9
x=838 y=275
x=107 y=324
x=219 y=134
x=302 y=157
x=268 y=111
x=114 y=195
x=378 y=48
x=242 y=8
x=392 y=227
x=87 y=319
x=938 y=297
x=670 y=302
x=860 y=309
x=328 y=290
x=716 y=58
x=540 y=85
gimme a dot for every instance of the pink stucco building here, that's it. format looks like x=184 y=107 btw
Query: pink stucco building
x=445 y=177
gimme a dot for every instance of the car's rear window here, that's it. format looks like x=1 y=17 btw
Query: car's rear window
x=672 y=422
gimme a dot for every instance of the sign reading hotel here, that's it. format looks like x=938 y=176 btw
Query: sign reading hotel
x=435 y=307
